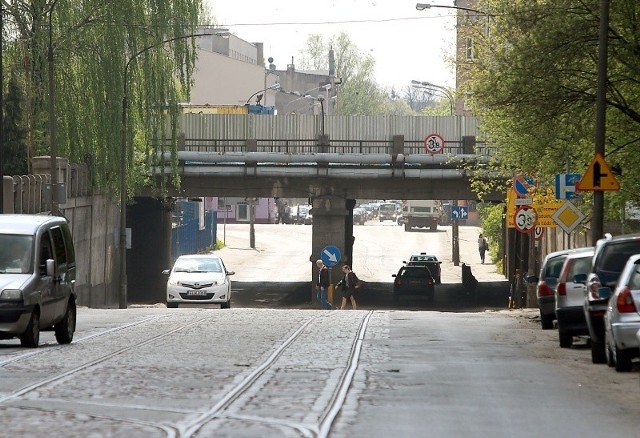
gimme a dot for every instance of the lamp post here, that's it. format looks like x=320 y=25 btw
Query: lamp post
x=446 y=92
x=423 y=6
x=123 y=158
x=275 y=86
x=1 y=115
x=52 y=119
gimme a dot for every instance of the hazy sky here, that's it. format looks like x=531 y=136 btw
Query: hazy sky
x=406 y=44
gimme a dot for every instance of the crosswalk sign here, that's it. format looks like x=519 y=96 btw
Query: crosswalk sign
x=598 y=177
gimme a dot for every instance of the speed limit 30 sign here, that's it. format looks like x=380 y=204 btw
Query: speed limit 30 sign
x=525 y=219
x=433 y=144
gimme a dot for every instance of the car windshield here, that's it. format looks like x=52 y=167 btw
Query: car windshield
x=189 y=264
x=423 y=258
x=15 y=254
x=553 y=268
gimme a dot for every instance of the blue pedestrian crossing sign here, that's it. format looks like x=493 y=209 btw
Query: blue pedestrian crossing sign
x=459 y=213
x=330 y=256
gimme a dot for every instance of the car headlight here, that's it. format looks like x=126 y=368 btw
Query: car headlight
x=11 y=294
x=173 y=282
x=221 y=282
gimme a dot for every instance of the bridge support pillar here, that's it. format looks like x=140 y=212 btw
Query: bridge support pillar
x=329 y=218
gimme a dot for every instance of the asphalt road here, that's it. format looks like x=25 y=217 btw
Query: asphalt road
x=278 y=274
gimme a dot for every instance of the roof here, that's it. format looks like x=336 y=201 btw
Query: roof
x=26 y=223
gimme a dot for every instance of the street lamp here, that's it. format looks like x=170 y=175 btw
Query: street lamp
x=275 y=86
x=123 y=158
x=423 y=6
x=446 y=92
x=52 y=120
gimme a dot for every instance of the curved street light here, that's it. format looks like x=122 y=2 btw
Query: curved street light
x=123 y=157
x=445 y=91
x=275 y=86
x=423 y=6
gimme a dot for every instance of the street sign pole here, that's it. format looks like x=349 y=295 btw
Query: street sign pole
x=455 y=244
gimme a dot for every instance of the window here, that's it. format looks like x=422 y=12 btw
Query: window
x=469 y=48
x=58 y=246
x=243 y=212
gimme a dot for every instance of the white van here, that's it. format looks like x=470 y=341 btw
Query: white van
x=37 y=278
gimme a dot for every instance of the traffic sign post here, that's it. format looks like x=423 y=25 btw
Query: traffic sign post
x=566 y=185
x=459 y=213
x=433 y=144
x=330 y=255
x=598 y=177
x=525 y=219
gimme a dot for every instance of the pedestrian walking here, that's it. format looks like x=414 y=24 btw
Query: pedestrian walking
x=350 y=285
x=322 y=285
x=483 y=246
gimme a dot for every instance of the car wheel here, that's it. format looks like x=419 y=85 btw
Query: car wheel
x=598 y=354
x=31 y=336
x=172 y=305
x=65 y=328
x=546 y=320
x=566 y=339
x=226 y=305
x=623 y=360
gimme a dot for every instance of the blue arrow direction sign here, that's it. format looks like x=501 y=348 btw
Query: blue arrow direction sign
x=330 y=255
x=459 y=213
x=566 y=185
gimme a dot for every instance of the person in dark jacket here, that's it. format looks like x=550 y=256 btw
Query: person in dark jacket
x=350 y=285
x=322 y=285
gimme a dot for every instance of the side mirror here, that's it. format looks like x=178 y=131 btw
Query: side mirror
x=231 y=272
x=531 y=279
x=166 y=271
x=580 y=278
x=51 y=267
x=394 y=275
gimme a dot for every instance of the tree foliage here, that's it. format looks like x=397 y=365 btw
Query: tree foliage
x=359 y=93
x=92 y=42
x=15 y=159
x=533 y=78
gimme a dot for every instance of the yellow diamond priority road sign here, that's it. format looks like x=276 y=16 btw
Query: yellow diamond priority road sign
x=568 y=217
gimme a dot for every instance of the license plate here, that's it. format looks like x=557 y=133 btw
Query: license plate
x=196 y=292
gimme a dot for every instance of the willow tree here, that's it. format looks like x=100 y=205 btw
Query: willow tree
x=533 y=79
x=91 y=42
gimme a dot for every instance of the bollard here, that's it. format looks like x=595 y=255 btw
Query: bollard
x=330 y=293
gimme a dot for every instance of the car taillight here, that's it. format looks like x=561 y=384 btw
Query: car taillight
x=593 y=290
x=562 y=289
x=429 y=281
x=624 y=302
x=398 y=282
x=544 y=290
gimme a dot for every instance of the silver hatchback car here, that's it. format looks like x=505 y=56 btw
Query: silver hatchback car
x=569 y=296
x=199 y=279
x=622 y=318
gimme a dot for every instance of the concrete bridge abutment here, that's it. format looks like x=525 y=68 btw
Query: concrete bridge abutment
x=332 y=226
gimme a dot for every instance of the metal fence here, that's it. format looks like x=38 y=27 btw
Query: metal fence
x=190 y=234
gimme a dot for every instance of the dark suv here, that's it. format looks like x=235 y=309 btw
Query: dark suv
x=610 y=257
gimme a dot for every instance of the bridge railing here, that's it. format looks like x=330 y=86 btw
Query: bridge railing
x=304 y=134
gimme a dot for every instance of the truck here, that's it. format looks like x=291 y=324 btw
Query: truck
x=388 y=211
x=421 y=214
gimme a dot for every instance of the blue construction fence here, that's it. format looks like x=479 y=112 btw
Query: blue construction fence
x=186 y=235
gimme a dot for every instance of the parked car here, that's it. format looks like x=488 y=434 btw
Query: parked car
x=569 y=296
x=199 y=279
x=413 y=280
x=37 y=278
x=546 y=283
x=622 y=319
x=429 y=261
x=611 y=255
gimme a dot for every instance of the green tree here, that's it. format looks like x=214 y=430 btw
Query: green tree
x=533 y=80
x=359 y=93
x=15 y=157
x=92 y=42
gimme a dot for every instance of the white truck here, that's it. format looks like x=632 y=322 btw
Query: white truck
x=421 y=214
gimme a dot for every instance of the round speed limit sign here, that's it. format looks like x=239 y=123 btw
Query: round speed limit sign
x=433 y=144
x=525 y=219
